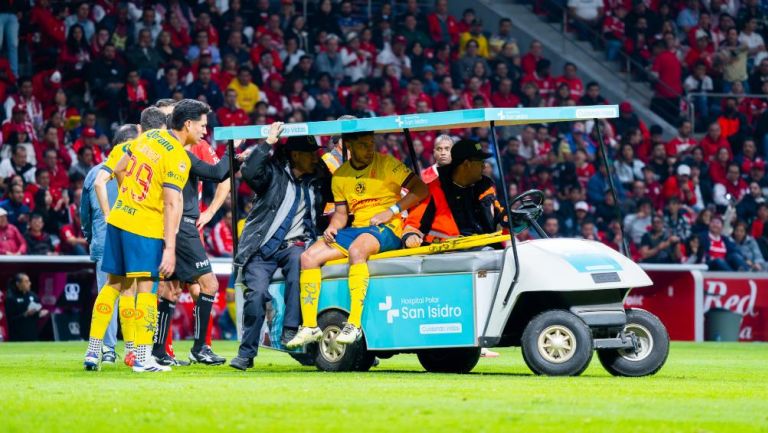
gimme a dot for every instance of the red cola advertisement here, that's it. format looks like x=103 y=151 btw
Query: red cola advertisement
x=681 y=297
x=745 y=294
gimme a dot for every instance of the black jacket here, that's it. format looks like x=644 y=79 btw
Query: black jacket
x=21 y=327
x=270 y=179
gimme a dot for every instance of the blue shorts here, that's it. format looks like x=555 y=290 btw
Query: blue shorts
x=130 y=255
x=387 y=238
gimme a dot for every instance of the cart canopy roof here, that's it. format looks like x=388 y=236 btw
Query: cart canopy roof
x=426 y=121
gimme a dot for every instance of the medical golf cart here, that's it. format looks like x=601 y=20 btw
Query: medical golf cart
x=560 y=300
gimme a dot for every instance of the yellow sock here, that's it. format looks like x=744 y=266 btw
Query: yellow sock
x=127 y=307
x=358 y=286
x=102 y=311
x=145 y=319
x=309 y=282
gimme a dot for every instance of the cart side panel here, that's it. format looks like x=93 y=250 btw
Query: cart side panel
x=410 y=312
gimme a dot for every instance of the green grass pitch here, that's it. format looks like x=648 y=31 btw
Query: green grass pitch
x=703 y=388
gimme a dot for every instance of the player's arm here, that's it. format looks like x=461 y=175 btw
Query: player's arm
x=338 y=221
x=100 y=186
x=171 y=219
x=417 y=191
x=86 y=213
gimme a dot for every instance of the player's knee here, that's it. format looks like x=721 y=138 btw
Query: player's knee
x=358 y=255
x=308 y=260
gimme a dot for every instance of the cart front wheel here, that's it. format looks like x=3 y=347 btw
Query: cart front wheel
x=652 y=347
x=557 y=343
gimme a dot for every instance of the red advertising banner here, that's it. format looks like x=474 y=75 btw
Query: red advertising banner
x=742 y=293
x=680 y=298
x=673 y=299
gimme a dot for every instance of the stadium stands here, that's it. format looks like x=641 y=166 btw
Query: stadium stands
x=81 y=69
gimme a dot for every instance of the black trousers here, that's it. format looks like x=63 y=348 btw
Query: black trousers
x=257 y=274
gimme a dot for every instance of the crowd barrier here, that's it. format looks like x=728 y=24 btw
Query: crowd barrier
x=680 y=297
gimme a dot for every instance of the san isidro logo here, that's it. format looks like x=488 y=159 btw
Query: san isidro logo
x=431 y=315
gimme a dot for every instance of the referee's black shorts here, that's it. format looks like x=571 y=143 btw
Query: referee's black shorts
x=191 y=259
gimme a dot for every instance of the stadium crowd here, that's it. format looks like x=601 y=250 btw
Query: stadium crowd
x=92 y=66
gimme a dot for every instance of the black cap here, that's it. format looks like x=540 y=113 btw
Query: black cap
x=304 y=143
x=467 y=149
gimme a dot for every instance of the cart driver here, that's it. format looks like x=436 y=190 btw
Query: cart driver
x=462 y=201
x=368 y=187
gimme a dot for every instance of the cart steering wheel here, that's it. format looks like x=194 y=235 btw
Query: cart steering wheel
x=530 y=208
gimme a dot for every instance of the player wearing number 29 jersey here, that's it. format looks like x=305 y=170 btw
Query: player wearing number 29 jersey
x=157 y=161
x=135 y=223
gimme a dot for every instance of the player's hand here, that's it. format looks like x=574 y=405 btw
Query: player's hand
x=330 y=234
x=205 y=218
x=382 y=217
x=413 y=241
x=168 y=263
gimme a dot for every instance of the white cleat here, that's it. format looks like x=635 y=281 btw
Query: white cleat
x=349 y=334
x=305 y=336
x=150 y=366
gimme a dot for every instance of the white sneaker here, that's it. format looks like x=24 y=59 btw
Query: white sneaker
x=349 y=334
x=150 y=366
x=305 y=336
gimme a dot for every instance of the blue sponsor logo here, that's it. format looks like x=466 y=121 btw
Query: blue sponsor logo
x=592 y=263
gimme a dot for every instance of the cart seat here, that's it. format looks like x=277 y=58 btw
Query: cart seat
x=470 y=261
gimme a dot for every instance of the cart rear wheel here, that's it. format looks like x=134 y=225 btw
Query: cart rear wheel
x=652 y=347
x=557 y=343
x=458 y=360
x=332 y=356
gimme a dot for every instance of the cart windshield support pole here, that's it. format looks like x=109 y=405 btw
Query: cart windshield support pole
x=411 y=151
x=624 y=246
x=507 y=209
x=233 y=195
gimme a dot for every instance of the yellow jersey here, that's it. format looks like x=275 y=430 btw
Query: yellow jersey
x=247 y=96
x=158 y=161
x=371 y=190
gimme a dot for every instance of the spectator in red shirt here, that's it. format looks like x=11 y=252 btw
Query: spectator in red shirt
x=543 y=80
x=669 y=85
x=530 y=60
x=614 y=31
x=230 y=114
x=714 y=141
x=12 y=243
x=51 y=141
x=684 y=143
x=473 y=91
x=732 y=185
x=73 y=240
x=58 y=174
x=444 y=94
x=571 y=78
x=221 y=236
x=413 y=95
x=681 y=186
x=503 y=97
x=718 y=168
x=180 y=35
x=442 y=26
x=702 y=51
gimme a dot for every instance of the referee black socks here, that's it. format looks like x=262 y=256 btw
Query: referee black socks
x=202 y=314
x=165 y=309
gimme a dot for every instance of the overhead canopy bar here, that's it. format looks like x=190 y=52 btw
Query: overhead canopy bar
x=426 y=121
